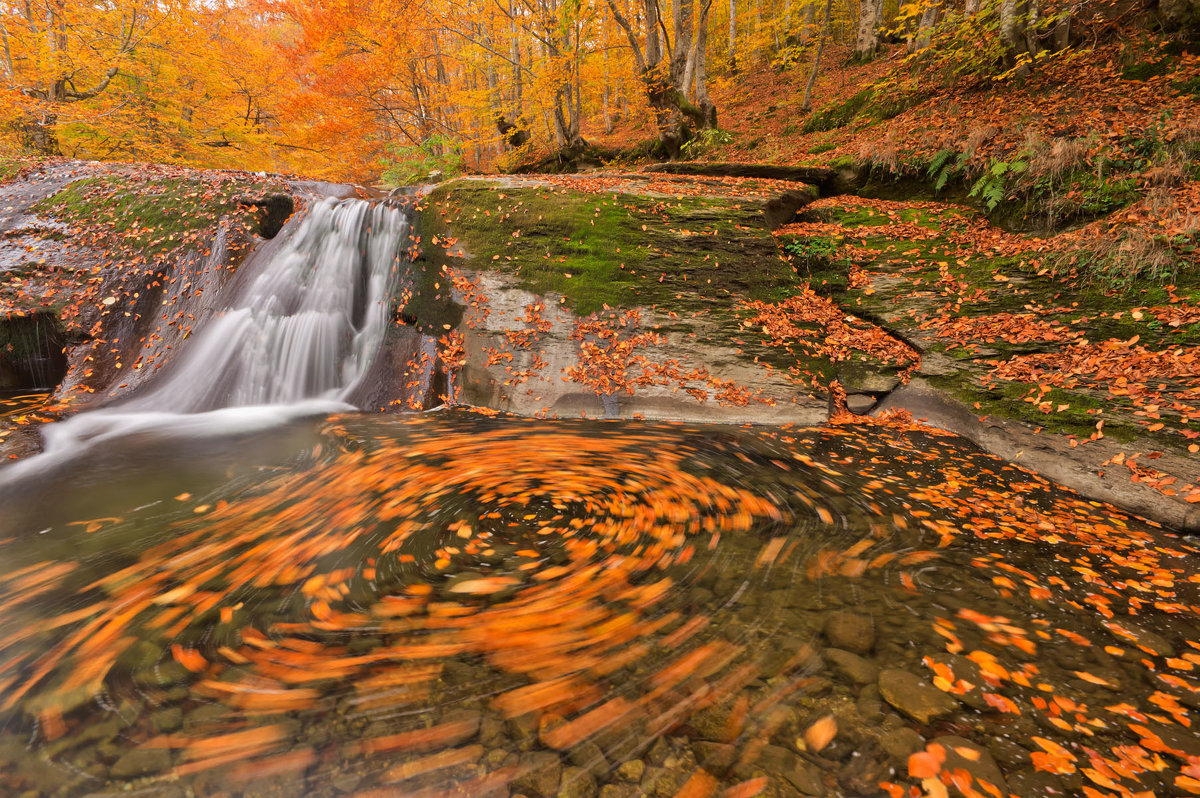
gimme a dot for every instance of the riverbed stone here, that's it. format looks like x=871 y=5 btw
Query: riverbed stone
x=464 y=724
x=164 y=674
x=851 y=666
x=141 y=762
x=588 y=755
x=541 y=773
x=716 y=758
x=901 y=743
x=962 y=754
x=1151 y=641
x=850 y=631
x=968 y=671
x=619 y=791
x=1030 y=783
x=167 y=720
x=913 y=696
x=491 y=731
x=661 y=782
x=712 y=723
x=778 y=762
x=633 y=770
x=577 y=783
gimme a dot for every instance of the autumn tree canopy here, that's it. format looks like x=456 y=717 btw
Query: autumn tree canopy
x=358 y=87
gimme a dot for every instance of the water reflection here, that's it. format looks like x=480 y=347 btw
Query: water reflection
x=376 y=606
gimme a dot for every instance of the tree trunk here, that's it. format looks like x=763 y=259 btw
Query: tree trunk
x=806 y=105
x=971 y=8
x=929 y=18
x=1017 y=35
x=37 y=134
x=1062 y=31
x=810 y=19
x=867 y=40
x=515 y=56
x=1011 y=29
x=703 y=102
x=684 y=13
x=733 y=35
x=1033 y=20
x=1179 y=13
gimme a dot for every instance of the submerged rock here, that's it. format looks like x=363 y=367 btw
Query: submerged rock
x=141 y=762
x=913 y=696
x=962 y=754
x=850 y=631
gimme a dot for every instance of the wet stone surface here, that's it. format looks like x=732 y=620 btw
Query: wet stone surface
x=487 y=606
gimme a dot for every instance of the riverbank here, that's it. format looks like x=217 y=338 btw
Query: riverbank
x=704 y=297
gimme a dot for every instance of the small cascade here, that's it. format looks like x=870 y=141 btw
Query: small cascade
x=302 y=325
x=293 y=333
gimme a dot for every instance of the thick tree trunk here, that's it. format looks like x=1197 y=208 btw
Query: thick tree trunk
x=1018 y=20
x=810 y=20
x=703 y=102
x=38 y=135
x=684 y=13
x=929 y=18
x=867 y=40
x=1179 y=13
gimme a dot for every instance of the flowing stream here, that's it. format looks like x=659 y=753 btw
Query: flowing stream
x=294 y=334
x=233 y=583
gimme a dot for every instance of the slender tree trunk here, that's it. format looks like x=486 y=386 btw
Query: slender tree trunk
x=1062 y=29
x=971 y=8
x=515 y=55
x=806 y=105
x=733 y=35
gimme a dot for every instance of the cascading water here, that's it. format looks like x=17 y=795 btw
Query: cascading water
x=296 y=333
x=303 y=326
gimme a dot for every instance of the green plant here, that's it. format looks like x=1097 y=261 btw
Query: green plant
x=810 y=252
x=1146 y=69
x=820 y=148
x=438 y=153
x=992 y=186
x=945 y=165
x=838 y=113
x=706 y=140
x=1189 y=86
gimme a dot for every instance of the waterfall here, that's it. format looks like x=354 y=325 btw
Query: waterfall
x=293 y=334
x=302 y=325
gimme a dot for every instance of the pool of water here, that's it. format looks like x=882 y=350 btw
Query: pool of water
x=368 y=605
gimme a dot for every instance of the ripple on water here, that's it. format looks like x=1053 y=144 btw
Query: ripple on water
x=501 y=605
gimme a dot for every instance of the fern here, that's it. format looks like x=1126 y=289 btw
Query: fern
x=939 y=162
x=992 y=186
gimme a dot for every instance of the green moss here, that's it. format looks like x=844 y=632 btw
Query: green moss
x=617 y=250
x=839 y=113
x=11 y=167
x=1189 y=86
x=149 y=217
x=1146 y=69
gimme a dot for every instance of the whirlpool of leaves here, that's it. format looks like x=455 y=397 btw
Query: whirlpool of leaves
x=489 y=606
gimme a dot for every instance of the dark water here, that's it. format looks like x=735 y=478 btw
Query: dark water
x=453 y=603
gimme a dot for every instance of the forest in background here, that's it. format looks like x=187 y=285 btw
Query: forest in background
x=392 y=89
